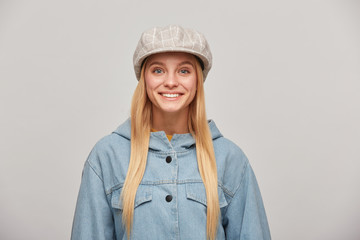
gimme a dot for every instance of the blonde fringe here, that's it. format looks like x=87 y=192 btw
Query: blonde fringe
x=140 y=135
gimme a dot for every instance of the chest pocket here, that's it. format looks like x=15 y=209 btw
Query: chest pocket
x=143 y=195
x=196 y=192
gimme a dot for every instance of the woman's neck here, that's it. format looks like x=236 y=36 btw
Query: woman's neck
x=170 y=123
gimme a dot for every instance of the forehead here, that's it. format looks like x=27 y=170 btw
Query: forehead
x=171 y=57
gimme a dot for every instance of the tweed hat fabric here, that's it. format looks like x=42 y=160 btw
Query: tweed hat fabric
x=172 y=38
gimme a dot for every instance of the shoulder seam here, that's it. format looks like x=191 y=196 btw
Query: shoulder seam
x=93 y=169
x=118 y=134
x=242 y=180
x=226 y=191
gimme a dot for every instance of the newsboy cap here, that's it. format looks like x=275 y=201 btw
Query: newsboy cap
x=172 y=38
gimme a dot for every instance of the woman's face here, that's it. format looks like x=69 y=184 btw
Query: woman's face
x=170 y=80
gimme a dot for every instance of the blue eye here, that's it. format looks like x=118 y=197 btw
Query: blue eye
x=184 y=71
x=157 y=70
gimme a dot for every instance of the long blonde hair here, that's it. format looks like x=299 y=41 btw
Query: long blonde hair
x=140 y=135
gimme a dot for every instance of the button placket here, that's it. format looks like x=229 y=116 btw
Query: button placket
x=169 y=159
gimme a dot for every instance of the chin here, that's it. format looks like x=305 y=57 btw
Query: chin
x=172 y=110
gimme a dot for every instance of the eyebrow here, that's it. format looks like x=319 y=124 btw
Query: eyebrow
x=186 y=62
x=156 y=63
x=180 y=64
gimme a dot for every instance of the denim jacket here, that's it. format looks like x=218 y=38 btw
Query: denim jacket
x=170 y=202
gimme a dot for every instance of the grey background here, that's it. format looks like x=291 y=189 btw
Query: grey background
x=284 y=86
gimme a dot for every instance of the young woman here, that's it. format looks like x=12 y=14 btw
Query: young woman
x=167 y=172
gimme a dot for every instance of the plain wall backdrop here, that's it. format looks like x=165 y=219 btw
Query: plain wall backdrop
x=284 y=86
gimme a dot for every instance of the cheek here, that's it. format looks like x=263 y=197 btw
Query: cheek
x=192 y=89
x=149 y=87
x=149 y=91
x=151 y=83
x=193 y=86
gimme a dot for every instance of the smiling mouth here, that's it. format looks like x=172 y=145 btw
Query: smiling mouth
x=170 y=95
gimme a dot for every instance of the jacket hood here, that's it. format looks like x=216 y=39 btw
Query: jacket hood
x=159 y=141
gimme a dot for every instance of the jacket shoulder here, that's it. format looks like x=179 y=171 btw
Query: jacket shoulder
x=109 y=158
x=232 y=164
x=106 y=148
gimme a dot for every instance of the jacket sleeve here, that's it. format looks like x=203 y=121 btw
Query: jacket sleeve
x=93 y=218
x=245 y=217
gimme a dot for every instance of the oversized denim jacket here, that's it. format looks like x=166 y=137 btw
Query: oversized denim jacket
x=170 y=202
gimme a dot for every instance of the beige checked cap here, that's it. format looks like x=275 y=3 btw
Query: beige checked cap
x=172 y=38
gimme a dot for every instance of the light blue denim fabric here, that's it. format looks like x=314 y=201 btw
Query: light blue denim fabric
x=99 y=209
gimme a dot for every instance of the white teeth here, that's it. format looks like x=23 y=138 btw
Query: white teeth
x=170 y=95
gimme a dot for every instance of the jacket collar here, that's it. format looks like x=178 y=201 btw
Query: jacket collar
x=159 y=141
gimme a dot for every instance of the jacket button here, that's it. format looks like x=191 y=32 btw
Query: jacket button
x=168 y=198
x=168 y=159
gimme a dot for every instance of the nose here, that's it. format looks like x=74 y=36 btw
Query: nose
x=171 y=80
